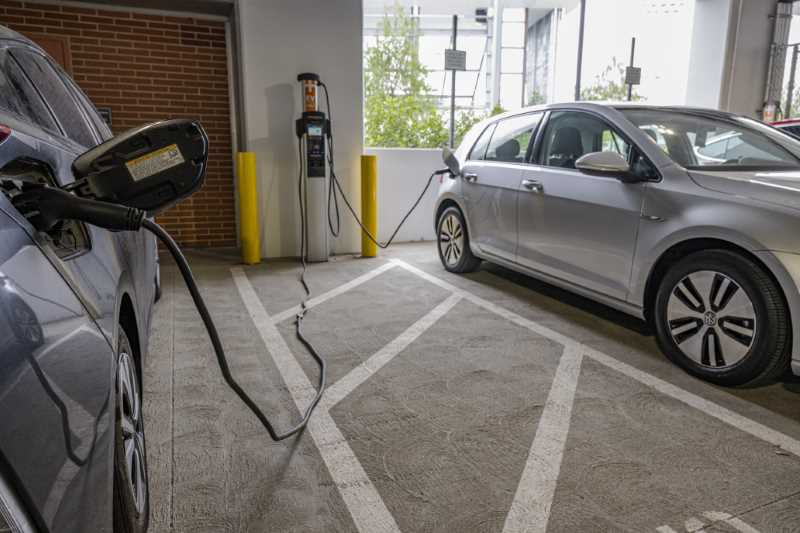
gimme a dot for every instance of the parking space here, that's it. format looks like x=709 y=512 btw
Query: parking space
x=486 y=402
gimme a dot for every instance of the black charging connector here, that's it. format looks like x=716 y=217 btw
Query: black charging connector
x=46 y=206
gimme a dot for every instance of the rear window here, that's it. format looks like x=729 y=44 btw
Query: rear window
x=700 y=141
x=56 y=94
x=19 y=97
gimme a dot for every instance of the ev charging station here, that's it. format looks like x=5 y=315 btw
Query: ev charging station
x=312 y=129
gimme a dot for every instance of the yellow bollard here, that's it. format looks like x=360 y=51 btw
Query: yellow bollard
x=248 y=208
x=369 y=204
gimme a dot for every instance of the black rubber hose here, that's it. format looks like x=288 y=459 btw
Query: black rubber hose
x=186 y=272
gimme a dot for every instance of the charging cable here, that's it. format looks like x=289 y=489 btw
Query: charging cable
x=46 y=206
x=336 y=186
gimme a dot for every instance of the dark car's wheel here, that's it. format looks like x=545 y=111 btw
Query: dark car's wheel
x=131 y=491
x=453 y=240
x=721 y=317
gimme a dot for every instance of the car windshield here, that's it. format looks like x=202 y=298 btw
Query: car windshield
x=697 y=141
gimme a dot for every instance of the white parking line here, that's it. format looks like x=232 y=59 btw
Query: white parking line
x=325 y=296
x=530 y=509
x=366 y=507
x=365 y=370
x=732 y=521
x=710 y=408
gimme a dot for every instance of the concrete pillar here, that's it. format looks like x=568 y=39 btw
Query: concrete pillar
x=496 y=58
x=729 y=57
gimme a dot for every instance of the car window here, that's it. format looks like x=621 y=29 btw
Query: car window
x=100 y=125
x=511 y=138
x=792 y=130
x=478 y=151
x=571 y=134
x=715 y=148
x=703 y=140
x=18 y=96
x=57 y=96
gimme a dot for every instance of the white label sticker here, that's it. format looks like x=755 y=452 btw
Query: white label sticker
x=155 y=162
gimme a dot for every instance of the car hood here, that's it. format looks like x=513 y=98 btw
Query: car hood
x=774 y=187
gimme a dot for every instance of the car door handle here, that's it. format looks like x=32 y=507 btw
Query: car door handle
x=470 y=177
x=533 y=186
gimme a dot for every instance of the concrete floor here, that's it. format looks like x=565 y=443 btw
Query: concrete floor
x=486 y=402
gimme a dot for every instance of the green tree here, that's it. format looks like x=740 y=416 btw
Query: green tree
x=398 y=110
x=610 y=85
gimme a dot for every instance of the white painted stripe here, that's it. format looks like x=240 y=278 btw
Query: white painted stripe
x=366 y=507
x=665 y=529
x=710 y=408
x=533 y=501
x=694 y=525
x=706 y=406
x=477 y=300
x=325 y=296
x=365 y=370
x=735 y=523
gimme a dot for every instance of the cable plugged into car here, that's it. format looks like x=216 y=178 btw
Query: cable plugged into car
x=120 y=184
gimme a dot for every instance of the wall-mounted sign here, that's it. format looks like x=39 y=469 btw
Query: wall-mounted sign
x=633 y=75
x=105 y=112
x=455 y=59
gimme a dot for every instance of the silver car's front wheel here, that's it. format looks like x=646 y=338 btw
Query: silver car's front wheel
x=722 y=317
x=453 y=240
x=711 y=319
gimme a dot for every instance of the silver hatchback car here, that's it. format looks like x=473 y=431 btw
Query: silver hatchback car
x=687 y=218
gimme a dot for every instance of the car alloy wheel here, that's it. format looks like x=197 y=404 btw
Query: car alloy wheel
x=711 y=319
x=451 y=239
x=130 y=413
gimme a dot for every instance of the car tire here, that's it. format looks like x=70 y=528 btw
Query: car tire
x=453 y=242
x=722 y=318
x=131 y=489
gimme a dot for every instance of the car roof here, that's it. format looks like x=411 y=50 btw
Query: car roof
x=9 y=34
x=603 y=105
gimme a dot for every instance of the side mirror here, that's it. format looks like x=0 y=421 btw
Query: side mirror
x=451 y=161
x=603 y=163
x=150 y=168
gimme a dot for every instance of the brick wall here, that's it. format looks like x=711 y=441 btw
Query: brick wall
x=146 y=67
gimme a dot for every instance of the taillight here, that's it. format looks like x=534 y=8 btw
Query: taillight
x=5 y=133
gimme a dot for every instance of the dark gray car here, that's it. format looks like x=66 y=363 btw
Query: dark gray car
x=685 y=217
x=75 y=308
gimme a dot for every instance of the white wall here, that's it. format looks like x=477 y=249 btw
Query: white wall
x=709 y=62
x=278 y=40
x=402 y=173
x=730 y=54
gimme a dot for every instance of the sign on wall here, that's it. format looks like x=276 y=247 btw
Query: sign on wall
x=455 y=59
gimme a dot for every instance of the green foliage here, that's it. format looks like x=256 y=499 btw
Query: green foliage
x=536 y=98
x=465 y=121
x=397 y=110
x=497 y=110
x=610 y=85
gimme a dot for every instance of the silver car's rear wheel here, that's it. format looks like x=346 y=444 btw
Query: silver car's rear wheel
x=453 y=240
x=711 y=319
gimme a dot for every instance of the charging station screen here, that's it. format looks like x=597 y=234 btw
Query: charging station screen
x=315 y=131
